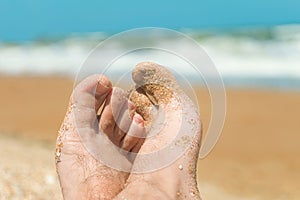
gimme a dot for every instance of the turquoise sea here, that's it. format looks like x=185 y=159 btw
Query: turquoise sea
x=254 y=57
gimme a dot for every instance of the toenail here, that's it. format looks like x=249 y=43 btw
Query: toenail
x=131 y=106
x=104 y=81
x=137 y=76
x=138 y=119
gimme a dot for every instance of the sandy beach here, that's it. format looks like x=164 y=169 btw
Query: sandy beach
x=255 y=158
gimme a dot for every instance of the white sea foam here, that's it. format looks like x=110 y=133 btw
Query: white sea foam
x=269 y=54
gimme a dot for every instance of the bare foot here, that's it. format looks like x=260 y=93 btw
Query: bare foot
x=80 y=146
x=178 y=140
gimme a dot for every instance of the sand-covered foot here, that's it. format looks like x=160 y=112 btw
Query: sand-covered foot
x=177 y=139
x=81 y=173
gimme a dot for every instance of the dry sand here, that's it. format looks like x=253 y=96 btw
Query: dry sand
x=257 y=156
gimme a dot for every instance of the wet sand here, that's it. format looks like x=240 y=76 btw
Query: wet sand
x=255 y=158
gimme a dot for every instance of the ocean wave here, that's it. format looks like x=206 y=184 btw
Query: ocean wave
x=267 y=53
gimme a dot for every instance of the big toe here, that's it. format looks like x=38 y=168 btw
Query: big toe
x=175 y=126
x=150 y=72
x=156 y=88
x=156 y=81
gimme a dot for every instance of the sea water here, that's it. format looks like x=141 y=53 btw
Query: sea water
x=255 y=58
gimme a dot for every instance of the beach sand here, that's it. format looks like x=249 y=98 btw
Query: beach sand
x=257 y=156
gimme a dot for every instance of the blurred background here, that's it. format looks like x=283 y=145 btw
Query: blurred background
x=255 y=45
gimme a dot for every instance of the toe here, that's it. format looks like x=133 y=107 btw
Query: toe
x=135 y=134
x=152 y=73
x=87 y=97
x=142 y=103
x=111 y=112
x=156 y=81
x=124 y=121
x=107 y=121
x=92 y=91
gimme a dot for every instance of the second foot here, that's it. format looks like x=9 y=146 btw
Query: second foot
x=157 y=177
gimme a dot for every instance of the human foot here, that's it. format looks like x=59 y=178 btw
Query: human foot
x=80 y=147
x=177 y=140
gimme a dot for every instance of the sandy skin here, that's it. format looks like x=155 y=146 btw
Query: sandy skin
x=82 y=176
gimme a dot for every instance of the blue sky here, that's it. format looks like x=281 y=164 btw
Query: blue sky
x=22 y=20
